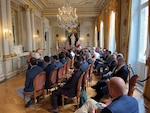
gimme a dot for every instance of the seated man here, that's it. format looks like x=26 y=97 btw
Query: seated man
x=88 y=58
x=120 y=71
x=111 y=66
x=103 y=63
x=48 y=68
x=30 y=75
x=69 y=89
x=83 y=62
x=121 y=103
x=62 y=58
x=56 y=61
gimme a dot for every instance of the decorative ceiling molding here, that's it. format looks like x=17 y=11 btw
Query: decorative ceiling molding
x=49 y=8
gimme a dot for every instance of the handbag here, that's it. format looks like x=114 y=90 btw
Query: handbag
x=83 y=97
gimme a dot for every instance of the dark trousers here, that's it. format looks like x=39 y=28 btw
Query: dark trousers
x=101 y=89
x=56 y=96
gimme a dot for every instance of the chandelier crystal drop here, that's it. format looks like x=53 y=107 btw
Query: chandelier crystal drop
x=67 y=17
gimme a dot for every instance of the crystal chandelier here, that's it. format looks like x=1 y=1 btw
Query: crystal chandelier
x=67 y=17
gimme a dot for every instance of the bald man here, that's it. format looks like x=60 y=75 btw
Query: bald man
x=121 y=103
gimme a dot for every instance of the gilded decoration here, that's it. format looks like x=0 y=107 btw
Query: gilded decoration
x=26 y=7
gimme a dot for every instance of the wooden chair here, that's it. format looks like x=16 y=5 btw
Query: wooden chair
x=53 y=79
x=132 y=84
x=72 y=62
x=60 y=74
x=77 y=94
x=68 y=65
x=38 y=84
x=90 y=73
x=65 y=66
x=86 y=78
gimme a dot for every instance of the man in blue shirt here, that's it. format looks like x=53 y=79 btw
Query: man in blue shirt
x=121 y=103
x=30 y=75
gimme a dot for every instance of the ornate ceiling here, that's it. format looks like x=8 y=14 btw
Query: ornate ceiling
x=49 y=8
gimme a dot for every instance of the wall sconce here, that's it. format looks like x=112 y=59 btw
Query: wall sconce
x=7 y=33
x=57 y=35
x=88 y=35
x=63 y=39
x=81 y=38
x=35 y=37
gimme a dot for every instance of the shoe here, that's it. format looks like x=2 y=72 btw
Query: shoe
x=28 y=103
x=53 y=110
x=94 y=87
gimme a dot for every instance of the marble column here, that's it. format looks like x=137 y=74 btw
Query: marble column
x=9 y=25
x=42 y=33
x=4 y=29
x=33 y=29
x=28 y=28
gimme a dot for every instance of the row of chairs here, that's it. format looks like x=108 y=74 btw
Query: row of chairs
x=83 y=81
x=55 y=78
x=58 y=74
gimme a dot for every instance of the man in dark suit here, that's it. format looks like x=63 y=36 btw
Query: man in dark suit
x=56 y=61
x=103 y=63
x=83 y=62
x=62 y=58
x=112 y=65
x=30 y=75
x=48 y=68
x=88 y=58
x=121 y=102
x=120 y=71
x=69 y=89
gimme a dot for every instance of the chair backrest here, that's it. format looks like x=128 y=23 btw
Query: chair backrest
x=132 y=84
x=64 y=70
x=72 y=62
x=53 y=76
x=79 y=85
x=68 y=65
x=85 y=77
x=39 y=81
x=91 y=69
x=60 y=73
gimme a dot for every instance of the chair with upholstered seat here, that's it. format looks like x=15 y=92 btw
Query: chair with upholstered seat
x=77 y=94
x=72 y=62
x=60 y=74
x=53 y=79
x=90 y=77
x=68 y=66
x=132 y=84
x=38 y=84
x=86 y=78
x=132 y=80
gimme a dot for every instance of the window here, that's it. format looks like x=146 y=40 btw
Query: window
x=143 y=1
x=95 y=44
x=143 y=34
x=102 y=34
x=112 y=44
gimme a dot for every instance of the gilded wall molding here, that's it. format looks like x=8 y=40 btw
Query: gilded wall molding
x=26 y=7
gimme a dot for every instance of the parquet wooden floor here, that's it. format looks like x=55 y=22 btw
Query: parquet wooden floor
x=10 y=102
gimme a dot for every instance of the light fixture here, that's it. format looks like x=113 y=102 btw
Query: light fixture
x=67 y=17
